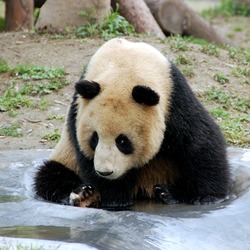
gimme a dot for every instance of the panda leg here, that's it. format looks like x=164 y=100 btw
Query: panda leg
x=55 y=182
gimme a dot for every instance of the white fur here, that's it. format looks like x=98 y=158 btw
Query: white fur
x=108 y=158
x=118 y=66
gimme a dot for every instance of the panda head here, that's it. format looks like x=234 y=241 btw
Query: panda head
x=122 y=104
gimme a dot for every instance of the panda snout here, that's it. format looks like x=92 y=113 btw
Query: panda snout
x=105 y=174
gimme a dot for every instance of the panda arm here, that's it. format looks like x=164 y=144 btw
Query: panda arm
x=55 y=182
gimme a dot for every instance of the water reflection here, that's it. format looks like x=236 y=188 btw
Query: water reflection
x=148 y=225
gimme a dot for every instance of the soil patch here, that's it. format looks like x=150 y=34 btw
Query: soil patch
x=72 y=54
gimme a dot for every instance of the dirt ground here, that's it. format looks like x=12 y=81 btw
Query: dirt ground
x=72 y=54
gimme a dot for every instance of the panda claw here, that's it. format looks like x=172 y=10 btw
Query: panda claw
x=84 y=196
x=163 y=194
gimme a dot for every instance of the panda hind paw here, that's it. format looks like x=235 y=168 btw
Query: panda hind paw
x=85 y=196
x=207 y=200
x=163 y=194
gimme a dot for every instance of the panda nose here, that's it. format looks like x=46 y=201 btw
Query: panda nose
x=105 y=173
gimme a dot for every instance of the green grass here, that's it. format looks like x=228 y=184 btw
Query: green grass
x=243 y=73
x=35 y=80
x=211 y=50
x=219 y=113
x=56 y=117
x=235 y=127
x=37 y=72
x=195 y=40
x=53 y=136
x=188 y=71
x=13 y=130
x=232 y=114
x=14 y=99
x=228 y=100
x=12 y=113
x=44 y=104
x=237 y=28
x=178 y=43
x=4 y=67
x=182 y=59
x=2 y=24
x=227 y=8
x=19 y=246
x=238 y=54
x=36 y=14
x=221 y=78
x=186 y=64
x=235 y=130
x=114 y=25
x=42 y=87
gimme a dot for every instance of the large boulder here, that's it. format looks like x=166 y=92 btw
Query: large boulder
x=57 y=15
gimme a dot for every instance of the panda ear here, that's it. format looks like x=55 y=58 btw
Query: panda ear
x=87 y=89
x=145 y=95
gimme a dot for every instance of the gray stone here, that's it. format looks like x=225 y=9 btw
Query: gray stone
x=58 y=15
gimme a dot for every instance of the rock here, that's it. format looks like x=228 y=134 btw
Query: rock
x=57 y=15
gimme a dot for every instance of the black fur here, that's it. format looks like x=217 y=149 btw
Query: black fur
x=124 y=144
x=86 y=89
x=193 y=144
x=55 y=182
x=145 y=95
x=93 y=142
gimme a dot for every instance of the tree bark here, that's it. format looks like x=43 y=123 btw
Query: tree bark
x=174 y=16
x=138 y=14
x=19 y=15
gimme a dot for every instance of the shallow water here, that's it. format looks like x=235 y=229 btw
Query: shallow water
x=27 y=221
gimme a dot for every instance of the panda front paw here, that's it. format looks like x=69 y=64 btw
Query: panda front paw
x=163 y=194
x=117 y=206
x=85 y=196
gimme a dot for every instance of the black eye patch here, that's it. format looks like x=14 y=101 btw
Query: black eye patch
x=124 y=144
x=93 y=141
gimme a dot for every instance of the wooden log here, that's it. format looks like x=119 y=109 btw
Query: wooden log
x=19 y=15
x=138 y=14
x=174 y=16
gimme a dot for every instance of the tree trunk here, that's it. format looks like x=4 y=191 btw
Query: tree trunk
x=19 y=15
x=174 y=16
x=138 y=14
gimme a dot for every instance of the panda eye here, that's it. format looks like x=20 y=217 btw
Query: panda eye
x=93 y=141
x=124 y=144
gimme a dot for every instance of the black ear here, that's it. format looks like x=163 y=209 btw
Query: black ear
x=87 y=89
x=145 y=95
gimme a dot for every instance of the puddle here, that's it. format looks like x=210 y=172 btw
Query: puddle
x=28 y=221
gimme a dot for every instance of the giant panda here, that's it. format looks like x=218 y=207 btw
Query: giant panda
x=135 y=130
